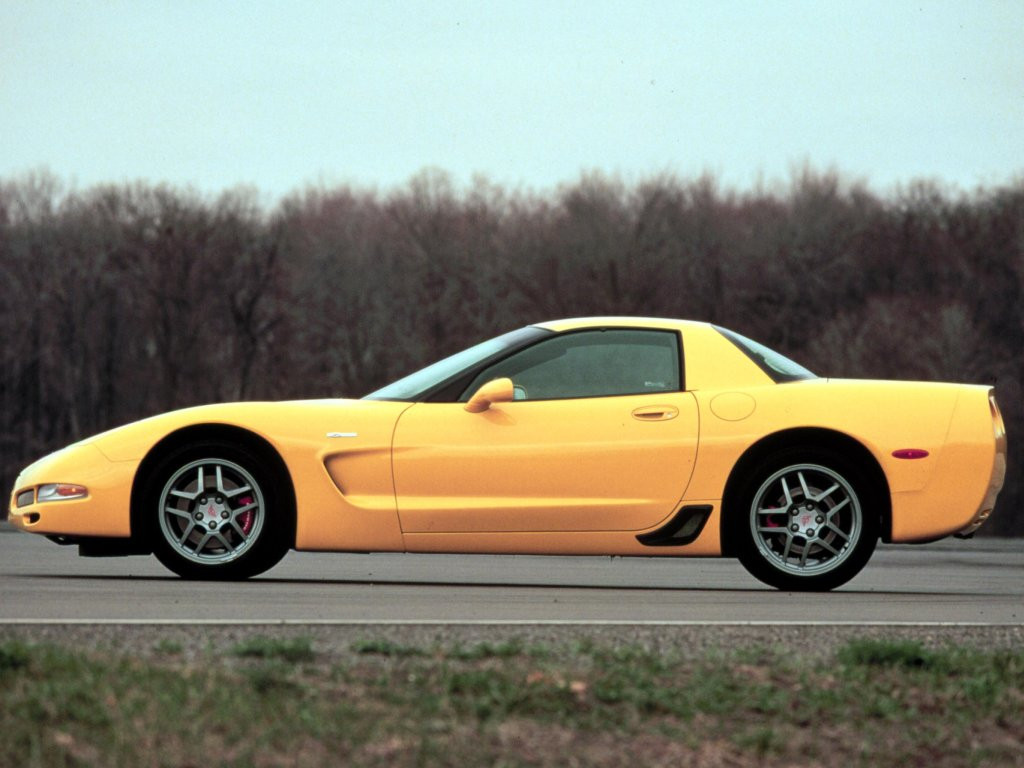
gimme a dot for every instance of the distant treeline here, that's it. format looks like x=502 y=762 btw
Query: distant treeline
x=123 y=301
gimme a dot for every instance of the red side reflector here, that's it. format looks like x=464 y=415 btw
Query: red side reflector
x=910 y=453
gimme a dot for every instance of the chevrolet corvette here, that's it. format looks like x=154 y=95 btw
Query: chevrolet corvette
x=593 y=436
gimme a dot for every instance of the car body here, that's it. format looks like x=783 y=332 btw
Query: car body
x=611 y=436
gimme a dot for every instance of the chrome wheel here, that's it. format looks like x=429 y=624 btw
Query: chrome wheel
x=806 y=520
x=211 y=511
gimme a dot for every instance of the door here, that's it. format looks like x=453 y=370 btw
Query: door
x=601 y=438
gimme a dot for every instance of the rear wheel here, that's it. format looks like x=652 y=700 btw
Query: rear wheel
x=215 y=511
x=810 y=522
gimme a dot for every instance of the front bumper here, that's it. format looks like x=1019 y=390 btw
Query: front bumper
x=105 y=511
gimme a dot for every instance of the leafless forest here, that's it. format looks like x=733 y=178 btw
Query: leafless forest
x=123 y=301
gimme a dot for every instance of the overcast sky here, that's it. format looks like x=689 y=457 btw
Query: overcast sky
x=529 y=94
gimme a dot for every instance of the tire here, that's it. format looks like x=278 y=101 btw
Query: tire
x=807 y=520
x=215 y=510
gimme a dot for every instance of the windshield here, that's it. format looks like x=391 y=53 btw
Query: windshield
x=416 y=385
x=779 y=367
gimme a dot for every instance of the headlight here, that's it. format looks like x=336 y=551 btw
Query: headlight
x=60 y=492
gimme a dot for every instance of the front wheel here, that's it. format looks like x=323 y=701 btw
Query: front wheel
x=216 y=513
x=810 y=522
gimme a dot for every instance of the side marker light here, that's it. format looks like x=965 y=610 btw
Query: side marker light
x=910 y=453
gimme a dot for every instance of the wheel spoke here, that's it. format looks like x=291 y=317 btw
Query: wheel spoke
x=785 y=490
x=837 y=531
x=837 y=507
x=238 y=529
x=185 y=495
x=177 y=512
x=202 y=543
x=220 y=537
x=788 y=548
x=220 y=479
x=825 y=545
x=235 y=491
x=825 y=494
x=188 y=532
x=236 y=512
x=803 y=485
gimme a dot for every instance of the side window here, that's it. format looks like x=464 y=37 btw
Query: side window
x=591 y=364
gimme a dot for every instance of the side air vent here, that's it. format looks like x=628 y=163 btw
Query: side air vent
x=684 y=527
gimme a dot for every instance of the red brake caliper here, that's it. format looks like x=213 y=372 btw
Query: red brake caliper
x=246 y=518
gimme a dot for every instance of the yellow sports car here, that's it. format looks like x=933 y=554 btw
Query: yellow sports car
x=596 y=436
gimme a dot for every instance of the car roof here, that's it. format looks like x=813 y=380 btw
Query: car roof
x=575 y=323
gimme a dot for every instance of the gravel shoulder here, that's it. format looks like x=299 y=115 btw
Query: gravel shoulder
x=335 y=642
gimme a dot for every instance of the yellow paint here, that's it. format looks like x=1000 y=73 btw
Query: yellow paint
x=510 y=469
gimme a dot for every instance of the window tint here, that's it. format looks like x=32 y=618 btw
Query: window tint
x=591 y=364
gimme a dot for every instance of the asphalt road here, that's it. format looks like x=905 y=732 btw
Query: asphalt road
x=971 y=582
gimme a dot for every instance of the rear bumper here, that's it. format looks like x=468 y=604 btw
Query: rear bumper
x=997 y=478
x=968 y=476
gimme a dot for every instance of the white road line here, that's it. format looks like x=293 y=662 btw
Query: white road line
x=498 y=622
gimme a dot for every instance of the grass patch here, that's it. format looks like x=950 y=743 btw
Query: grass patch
x=905 y=654
x=13 y=656
x=878 y=702
x=292 y=650
x=386 y=648
x=168 y=647
x=486 y=651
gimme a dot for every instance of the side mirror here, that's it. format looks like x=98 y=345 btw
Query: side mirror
x=496 y=391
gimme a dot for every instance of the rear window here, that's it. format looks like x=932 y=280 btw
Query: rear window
x=779 y=367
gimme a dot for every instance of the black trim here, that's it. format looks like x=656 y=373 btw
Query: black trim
x=684 y=527
x=682 y=359
x=64 y=541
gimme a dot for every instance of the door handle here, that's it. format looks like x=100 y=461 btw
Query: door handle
x=655 y=413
